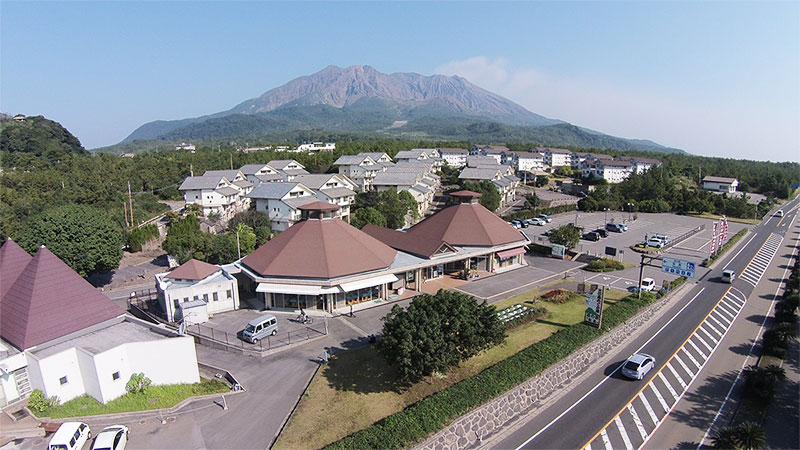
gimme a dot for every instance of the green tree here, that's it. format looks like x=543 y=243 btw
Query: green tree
x=138 y=383
x=726 y=438
x=82 y=236
x=368 y=215
x=263 y=234
x=566 y=235
x=185 y=240
x=490 y=196
x=541 y=180
x=564 y=171
x=751 y=436
x=437 y=332
x=252 y=218
x=395 y=206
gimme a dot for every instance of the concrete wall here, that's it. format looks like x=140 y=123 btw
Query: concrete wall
x=46 y=373
x=166 y=361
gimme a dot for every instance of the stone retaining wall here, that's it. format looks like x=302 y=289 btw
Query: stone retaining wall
x=470 y=429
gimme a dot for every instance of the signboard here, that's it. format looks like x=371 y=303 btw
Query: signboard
x=611 y=251
x=581 y=288
x=713 y=248
x=558 y=251
x=678 y=267
x=594 y=307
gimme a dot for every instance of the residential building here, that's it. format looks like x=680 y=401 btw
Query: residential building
x=362 y=168
x=288 y=168
x=614 y=171
x=281 y=201
x=720 y=184
x=261 y=173
x=531 y=162
x=482 y=161
x=316 y=147
x=556 y=157
x=196 y=290
x=641 y=165
x=185 y=146
x=476 y=174
x=216 y=194
x=497 y=152
x=63 y=336
x=421 y=154
x=454 y=157
x=332 y=188
x=323 y=263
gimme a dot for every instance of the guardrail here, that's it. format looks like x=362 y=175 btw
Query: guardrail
x=683 y=237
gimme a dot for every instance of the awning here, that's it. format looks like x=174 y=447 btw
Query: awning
x=295 y=289
x=505 y=254
x=369 y=282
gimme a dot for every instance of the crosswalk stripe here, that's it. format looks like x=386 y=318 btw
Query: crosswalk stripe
x=606 y=441
x=659 y=397
x=736 y=300
x=589 y=446
x=727 y=308
x=705 y=344
x=677 y=377
x=711 y=337
x=723 y=315
x=649 y=409
x=669 y=387
x=713 y=327
x=685 y=367
x=697 y=349
x=638 y=422
x=625 y=439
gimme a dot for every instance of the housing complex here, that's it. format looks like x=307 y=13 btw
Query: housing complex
x=61 y=335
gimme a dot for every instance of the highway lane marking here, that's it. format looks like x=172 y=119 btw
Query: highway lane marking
x=660 y=374
x=740 y=251
x=705 y=344
x=649 y=409
x=758 y=265
x=753 y=346
x=625 y=439
x=606 y=441
x=608 y=377
x=660 y=400
x=638 y=422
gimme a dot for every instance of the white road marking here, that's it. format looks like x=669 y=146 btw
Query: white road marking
x=740 y=251
x=659 y=397
x=705 y=344
x=649 y=409
x=683 y=364
x=637 y=422
x=711 y=337
x=625 y=438
x=677 y=377
x=669 y=387
x=606 y=441
x=727 y=309
x=697 y=349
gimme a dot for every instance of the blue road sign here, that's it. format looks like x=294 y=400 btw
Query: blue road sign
x=678 y=267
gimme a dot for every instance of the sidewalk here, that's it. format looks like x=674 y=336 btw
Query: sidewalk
x=782 y=421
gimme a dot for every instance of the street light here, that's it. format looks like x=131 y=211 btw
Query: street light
x=630 y=210
x=606 y=211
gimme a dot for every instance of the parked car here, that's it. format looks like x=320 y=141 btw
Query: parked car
x=602 y=232
x=70 y=436
x=648 y=284
x=653 y=242
x=661 y=237
x=615 y=227
x=591 y=236
x=537 y=221
x=728 y=276
x=514 y=225
x=548 y=232
x=637 y=366
x=266 y=325
x=114 y=437
x=545 y=217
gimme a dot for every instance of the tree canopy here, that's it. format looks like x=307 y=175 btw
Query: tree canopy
x=566 y=235
x=490 y=197
x=82 y=236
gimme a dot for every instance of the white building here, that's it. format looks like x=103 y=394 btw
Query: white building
x=454 y=157
x=218 y=194
x=720 y=184
x=280 y=202
x=196 y=290
x=641 y=165
x=66 y=338
x=332 y=188
x=496 y=152
x=614 y=171
x=316 y=147
x=556 y=157
x=185 y=146
x=363 y=167
x=532 y=162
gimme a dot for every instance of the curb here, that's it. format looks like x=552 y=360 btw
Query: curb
x=291 y=413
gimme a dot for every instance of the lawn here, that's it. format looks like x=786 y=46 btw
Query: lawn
x=357 y=388
x=156 y=397
x=730 y=219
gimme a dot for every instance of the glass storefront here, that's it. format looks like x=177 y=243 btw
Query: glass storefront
x=297 y=301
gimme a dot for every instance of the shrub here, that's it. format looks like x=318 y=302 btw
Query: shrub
x=37 y=402
x=605 y=265
x=558 y=296
x=138 y=383
x=139 y=236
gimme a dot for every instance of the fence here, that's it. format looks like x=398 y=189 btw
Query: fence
x=233 y=342
x=683 y=237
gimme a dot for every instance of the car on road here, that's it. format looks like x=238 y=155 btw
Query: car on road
x=638 y=365
x=728 y=276
x=779 y=213
x=545 y=217
x=648 y=284
x=602 y=232
x=70 y=436
x=591 y=236
x=653 y=242
x=537 y=221
x=114 y=437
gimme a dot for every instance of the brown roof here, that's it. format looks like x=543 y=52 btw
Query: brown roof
x=193 y=270
x=326 y=249
x=466 y=224
x=415 y=244
x=50 y=300
x=13 y=260
x=318 y=206
x=467 y=194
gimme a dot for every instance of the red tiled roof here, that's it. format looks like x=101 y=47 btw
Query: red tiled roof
x=414 y=244
x=193 y=270
x=468 y=194
x=318 y=206
x=467 y=224
x=327 y=248
x=13 y=260
x=50 y=300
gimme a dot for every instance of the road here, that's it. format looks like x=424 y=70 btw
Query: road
x=605 y=410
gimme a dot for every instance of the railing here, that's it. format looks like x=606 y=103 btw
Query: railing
x=683 y=237
x=233 y=342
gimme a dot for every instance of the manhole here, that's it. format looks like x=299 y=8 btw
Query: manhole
x=171 y=419
x=143 y=422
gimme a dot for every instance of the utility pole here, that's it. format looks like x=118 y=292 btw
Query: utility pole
x=231 y=161
x=130 y=201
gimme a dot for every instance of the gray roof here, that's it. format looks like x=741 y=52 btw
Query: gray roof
x=428 y=181
x=529 y=155
x=346 y=160
x=562 y=151
x=280 y=164
x=269 y=177
x=475 y=160
x=225 y=190
x=387 y=164
x=473 y=173
x=272 y=190
x=243 y=184
x=461 y=151
x=719 y=180
x=410 y=154
x=297 y=202
x=374 y=155
x=204 y=182
x=502 y=182
x=511 y=178
x=251 y=169
x=337 y=192
x=314 y=180
x=424 y=189
x=229 y=174
x=295 y=171
x=616 y=163
x=495 y=149
x=395 y=179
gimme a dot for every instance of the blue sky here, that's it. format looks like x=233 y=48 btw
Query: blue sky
x=713 y=78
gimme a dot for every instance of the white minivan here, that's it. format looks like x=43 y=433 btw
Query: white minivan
x=266 y=325
x=70 y=436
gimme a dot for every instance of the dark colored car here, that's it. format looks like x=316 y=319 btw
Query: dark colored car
x=591 y=236
x=602 y=232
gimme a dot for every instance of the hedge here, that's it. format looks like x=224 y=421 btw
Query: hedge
x=139 y=236
x=605 y=265
x=724 y=248
x=531 y=213
x=431 y=414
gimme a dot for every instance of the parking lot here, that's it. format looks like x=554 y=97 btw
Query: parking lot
x=694 y=249
x=227 y=327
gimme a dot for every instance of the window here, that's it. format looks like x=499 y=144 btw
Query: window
x=196 y=298
x=215 y=296
x=62 y=380
x=205 y=297
x=230 y=295
x=115 y=376
x=176 y=302
x=185 y=299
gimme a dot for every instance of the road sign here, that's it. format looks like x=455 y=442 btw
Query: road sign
x=593 y=315
x=678 y=267
x=611 y=251
x=558 y=251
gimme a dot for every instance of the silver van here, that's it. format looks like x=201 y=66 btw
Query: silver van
x=260 y=328
x=615 y=227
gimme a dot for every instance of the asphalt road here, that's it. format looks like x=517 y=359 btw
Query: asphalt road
x=605 y=410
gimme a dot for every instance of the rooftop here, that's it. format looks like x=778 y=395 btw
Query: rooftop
x=193 y=270
x=274 y=190
x=104 y=339
x=719 y=180
x=13 y=260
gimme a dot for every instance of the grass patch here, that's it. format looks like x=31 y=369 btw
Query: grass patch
x=358 y=388
x=707 y=215
x=156 y=397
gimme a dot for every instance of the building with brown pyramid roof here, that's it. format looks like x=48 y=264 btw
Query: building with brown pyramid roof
x=324 y=263
x=13 y=260
x=66 y=338
x=193 y=270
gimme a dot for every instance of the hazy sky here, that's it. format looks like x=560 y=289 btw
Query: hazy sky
x=713 y=78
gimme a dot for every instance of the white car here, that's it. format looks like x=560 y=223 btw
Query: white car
x=114 y=437
x=648 y=284
x=728 y=276
x=637 y=366
x=653 y=242
x=545 y=217
x=70 y=436
x=537 y=221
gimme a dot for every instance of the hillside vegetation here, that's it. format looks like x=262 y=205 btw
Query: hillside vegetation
x=36 y=137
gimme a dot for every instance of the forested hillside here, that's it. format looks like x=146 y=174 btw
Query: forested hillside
x=36 y=140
